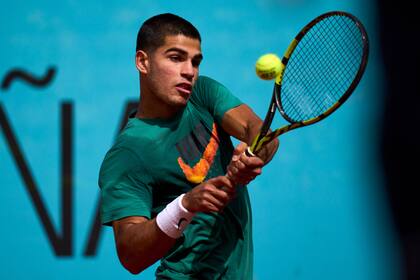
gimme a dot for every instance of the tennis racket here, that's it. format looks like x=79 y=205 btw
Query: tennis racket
x=320 y=70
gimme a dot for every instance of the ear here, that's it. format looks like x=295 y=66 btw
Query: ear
x=142 y=62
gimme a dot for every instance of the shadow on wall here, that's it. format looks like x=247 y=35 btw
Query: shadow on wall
x=400 y=144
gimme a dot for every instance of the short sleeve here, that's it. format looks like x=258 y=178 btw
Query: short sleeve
x=125 y=187
x=214 y=96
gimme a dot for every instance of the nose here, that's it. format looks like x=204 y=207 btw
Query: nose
x=188 y=71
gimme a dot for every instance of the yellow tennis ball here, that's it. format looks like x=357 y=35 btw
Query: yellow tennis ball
x=268 y=66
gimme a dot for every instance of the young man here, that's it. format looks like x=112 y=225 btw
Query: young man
x=172 y=185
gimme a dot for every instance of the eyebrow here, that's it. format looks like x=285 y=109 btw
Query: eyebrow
x=183 y=52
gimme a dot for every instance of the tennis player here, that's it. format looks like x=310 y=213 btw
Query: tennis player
x=172 y=185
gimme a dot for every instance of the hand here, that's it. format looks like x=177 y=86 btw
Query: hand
x=243 y=169
x=210 y=196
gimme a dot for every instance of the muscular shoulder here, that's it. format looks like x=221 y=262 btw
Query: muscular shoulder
x=123 y=156
x=214 y=97
x=205 y=88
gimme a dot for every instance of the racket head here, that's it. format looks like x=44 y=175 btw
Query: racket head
x=322 y=67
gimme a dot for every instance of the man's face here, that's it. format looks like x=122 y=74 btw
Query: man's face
x=173 y=70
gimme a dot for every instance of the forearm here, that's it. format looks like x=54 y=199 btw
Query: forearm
x=139 y=245
x=141 y=242
x=251 y=130
x=242 y=123
x=267 y=151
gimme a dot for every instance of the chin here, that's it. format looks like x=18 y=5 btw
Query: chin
x=181 y=101
x=176 y=105
x=181 y=104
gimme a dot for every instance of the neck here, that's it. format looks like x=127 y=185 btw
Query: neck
x=150 y=108
x=143 y=112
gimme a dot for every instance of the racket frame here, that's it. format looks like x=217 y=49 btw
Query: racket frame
x=264 y=135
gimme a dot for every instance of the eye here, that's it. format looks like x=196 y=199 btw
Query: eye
x=175 y=58
x=196 y=63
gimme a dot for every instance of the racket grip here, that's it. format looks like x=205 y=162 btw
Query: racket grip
x=249 y=153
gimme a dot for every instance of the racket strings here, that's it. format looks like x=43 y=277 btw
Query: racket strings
x=329 y=67
x=321 y=68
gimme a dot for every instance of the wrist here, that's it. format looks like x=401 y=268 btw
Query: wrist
x=174 y=218
x=185 y=202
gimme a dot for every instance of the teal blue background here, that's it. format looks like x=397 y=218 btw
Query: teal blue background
x=319 y=207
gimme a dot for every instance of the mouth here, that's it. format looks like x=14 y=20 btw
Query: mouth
x=184 y=88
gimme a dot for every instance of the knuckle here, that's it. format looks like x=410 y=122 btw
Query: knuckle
x=207 y=188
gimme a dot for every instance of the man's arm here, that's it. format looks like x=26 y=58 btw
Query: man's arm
x=140 y=242
x=242 y=123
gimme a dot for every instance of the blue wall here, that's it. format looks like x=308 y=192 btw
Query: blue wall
x=319 y=207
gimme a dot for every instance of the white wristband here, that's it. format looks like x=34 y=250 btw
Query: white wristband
x=174 y=218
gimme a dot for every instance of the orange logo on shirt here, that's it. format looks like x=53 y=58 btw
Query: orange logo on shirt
x=198 y=173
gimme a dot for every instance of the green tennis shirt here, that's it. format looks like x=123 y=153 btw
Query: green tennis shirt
x=153 y=161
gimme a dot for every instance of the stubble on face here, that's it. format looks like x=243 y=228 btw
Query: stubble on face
x=173 y=70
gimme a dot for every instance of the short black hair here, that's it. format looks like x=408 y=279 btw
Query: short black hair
x=153 y=32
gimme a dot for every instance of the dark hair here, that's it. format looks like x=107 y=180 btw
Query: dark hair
x=153 y=32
